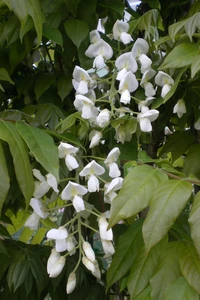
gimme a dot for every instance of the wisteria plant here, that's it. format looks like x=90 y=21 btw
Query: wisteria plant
x=99 y=150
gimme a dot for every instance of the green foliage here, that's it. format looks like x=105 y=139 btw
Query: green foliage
x=155 y=215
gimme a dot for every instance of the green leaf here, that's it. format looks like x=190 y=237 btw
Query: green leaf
x=175 y=85
x=42 y=84
x=39 y=272
x=180 y=290
x=167 y=202
x=167 y=271
x=190 y=266
x=18 y=149
x=53 y=34
x=39 y=236
x=23 y=8
x=143 y=269
x=3 y=249
x=128 y=246
x=5 y=180
x=34 y=10
x=42 y=147
x=145 y=295
x=5 y=76
x=194 y=222
x=64 y=86
x=72 y=6
x=181 y=56
x=192 y=161
x=136 y=192
x=178 y=143
x=174 y=28
x=77 y=30
x=18 y=271
x=195 y=67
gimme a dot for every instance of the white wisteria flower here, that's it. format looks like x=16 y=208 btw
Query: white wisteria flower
x=89 y=171
x=108 y=248
x=59 y=235
x=94 y=36
x=146 y=117
x=72 y=192
x=148 y=86
x=140 y=47
x=55 y=264
x=120 y=30
x=39 y=211
x=89 y=252
x=110 y=162
x=81 y=80
x=110 y=189
x=105 y=234
x=70 y=245
x=145 y=63
x=180 y=108
x=94 y=138
x=85 y=106
x=100 y=51
x=44 y=183
x=125 y=63
x=103 y=118
x=127 y=85
x=68 y=151
x=165 y=81
x=71 y=283
x=88 y=264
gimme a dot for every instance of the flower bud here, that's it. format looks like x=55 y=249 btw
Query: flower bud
x=88 y=251
x=71 y=283
x=88 y=264
x=53 y=258
x=57 y=267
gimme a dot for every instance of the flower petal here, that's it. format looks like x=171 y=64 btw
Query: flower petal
x=78 y=204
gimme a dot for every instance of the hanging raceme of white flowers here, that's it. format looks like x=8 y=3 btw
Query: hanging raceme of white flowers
x=131 y=69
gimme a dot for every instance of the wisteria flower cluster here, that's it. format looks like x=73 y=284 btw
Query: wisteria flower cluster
x=115 y=82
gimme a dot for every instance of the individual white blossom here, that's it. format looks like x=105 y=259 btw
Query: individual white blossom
x=180 y=108
x=39 y=211
x=165 y=81
x=72 y=192
x=94 y=137
x=104 y=233
x=85 y=106
x=89 y=252
x=100 y=51
x=110 y=189
x=89 y=171
x=59 y=235
x=94 y=36
x=44 y=183
x=71 y=283
x=81 y=80
x=120 y=30
x=145 y=63
x=110 y=162
x=146 y=117
x=70 y=245
x=125 y=63
x=127 y=85
x=103 y=118
x=68 y=151
x=140 y=47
